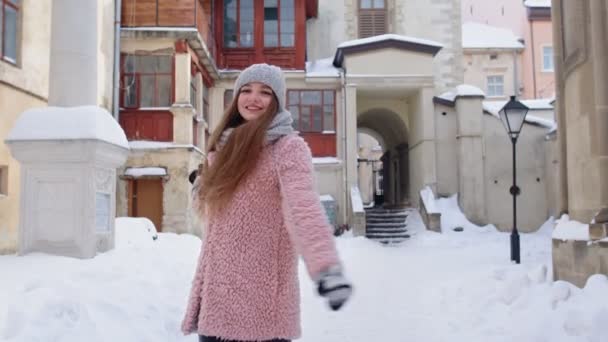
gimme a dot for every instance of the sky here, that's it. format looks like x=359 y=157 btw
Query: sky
x=449 y=286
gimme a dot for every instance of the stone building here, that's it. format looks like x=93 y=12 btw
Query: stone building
x=379 y=67
x=580 y=32
x=24 y=55
x=392 y=69
x=27 y=81
x=530 y=22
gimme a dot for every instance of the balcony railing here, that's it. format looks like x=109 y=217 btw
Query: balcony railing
x=171 y=13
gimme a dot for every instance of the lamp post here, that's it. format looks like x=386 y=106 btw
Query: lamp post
x=512 y=116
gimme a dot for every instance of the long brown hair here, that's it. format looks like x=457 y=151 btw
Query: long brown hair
x=235 y=159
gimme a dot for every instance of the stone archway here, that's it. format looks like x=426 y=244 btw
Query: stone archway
x=391 y=132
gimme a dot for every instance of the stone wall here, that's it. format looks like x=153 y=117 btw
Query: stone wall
x=575 y=261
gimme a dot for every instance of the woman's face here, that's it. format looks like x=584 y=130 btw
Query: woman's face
x=254 y=99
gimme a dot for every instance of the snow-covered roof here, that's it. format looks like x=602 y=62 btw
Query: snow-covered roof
x=493 y=107
x=383 y=41
x=326 y=198
x=70 y=123
x=325 y=160
x=389 y=36
x=480 y=36
x=463 y=90
x=137 y=172
x=156 y=145
x=537 y=3
x=538 y=103
x=321 y=68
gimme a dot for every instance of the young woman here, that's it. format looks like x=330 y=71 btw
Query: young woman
x=257 y=196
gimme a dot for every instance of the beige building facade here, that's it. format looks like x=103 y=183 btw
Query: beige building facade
x=23 y=85
x=391 y=86
x=580 y=32
x=25 y=81
x=530 y=22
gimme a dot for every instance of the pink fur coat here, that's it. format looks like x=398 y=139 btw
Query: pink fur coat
x=246 y=282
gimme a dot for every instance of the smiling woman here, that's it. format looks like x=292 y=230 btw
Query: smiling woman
x=256 y=193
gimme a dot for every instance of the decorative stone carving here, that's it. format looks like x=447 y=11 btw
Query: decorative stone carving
x=104 y=179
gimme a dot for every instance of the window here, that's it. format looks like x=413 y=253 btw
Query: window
x=238 y=23
x=228 y=94
x=312 y=110
x=9 y=17
x=206 y=104
x=496 y=86
x=206 y=112
x=279 y=23
x=147 y=81
x=3 y=180
x=193 y=92
x=547 y=58
x=372 y=18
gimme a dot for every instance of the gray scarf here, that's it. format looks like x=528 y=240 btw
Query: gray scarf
x=280 y=126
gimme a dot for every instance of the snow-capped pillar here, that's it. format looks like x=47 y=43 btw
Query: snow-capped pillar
x=469 y=114
x=182 y=109
x=73 y=68
x=69 y=152
x=68 y=158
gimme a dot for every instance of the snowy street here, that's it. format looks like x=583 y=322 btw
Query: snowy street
x=455 y=286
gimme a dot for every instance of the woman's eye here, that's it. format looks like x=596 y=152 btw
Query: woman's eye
x=266 y=92
x=246 y=90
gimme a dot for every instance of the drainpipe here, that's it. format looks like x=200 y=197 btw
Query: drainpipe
x=116 y=72
x=346 y=194
x=515 y=75
x=533 y=57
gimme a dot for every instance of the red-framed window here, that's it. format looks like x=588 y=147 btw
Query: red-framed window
x=147 y=81
x=313 y=110
x=279 y=23
x=239 y=23
x=9 y=22
x=242 y=18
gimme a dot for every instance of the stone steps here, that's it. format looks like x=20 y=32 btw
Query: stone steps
x=387 y=226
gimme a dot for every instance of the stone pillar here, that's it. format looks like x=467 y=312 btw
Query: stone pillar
x=69 y=152
x=182 y=110
x=599 y=47
x=404 y=173
x=469 y=121
x=73 y=69
x=351 y=135
x=561 y=156
x=68 y=160
x=422 y=143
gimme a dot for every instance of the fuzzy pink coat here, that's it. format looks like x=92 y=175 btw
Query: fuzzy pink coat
x=246 y=282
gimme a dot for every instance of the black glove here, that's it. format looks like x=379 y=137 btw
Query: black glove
x=333 y=286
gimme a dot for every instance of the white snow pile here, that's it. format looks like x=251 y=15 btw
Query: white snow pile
x=567 y=229
x=454 y=286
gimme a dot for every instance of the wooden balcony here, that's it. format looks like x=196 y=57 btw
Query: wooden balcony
x=177 y=19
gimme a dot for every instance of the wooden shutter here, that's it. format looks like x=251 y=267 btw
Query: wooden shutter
x=372 y=22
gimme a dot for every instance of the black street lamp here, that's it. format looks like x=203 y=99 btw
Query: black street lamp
x=512 y=116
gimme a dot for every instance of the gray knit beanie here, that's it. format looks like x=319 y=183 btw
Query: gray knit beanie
x=270 y=75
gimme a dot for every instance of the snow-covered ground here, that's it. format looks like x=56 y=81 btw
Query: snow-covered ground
x=455 y=286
